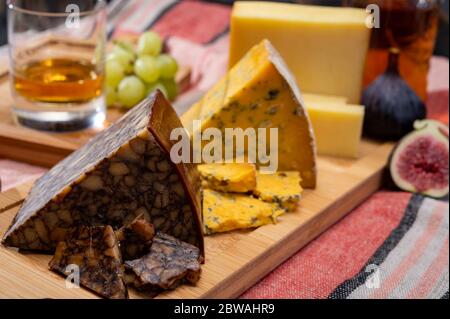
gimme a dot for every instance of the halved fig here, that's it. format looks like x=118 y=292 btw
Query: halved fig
x=419 y=163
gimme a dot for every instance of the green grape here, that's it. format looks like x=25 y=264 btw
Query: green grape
x=171 y=88
x=149 y=43
x=154 y=86
x=167 y=66
x=145 y=68
x=111 y=96
x=124 y=45
x=125 y=58
x=114 y=73
x=122 y=48
x=131 y=90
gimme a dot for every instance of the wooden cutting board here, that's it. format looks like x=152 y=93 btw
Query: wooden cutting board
x=234 y=261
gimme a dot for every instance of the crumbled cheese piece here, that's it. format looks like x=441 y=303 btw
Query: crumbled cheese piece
x=224 y=211
x=232 y=177
x=281 y=187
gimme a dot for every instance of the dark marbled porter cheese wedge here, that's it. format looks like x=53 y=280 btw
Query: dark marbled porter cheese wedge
x=96 y=252
x=169 y=263
x=123 y=172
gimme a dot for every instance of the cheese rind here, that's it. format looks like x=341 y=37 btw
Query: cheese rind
x=260 y=92
x=282 y=188
x=324 y=47
x=225 y=211
x=338 y=128
x=123 y=172
x=229 y=177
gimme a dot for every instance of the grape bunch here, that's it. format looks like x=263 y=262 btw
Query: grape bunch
x=133 y=73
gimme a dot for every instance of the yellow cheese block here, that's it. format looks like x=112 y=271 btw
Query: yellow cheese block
x=282 y=188
x=230 y=177
x=225 y=211
x=325 y=47
x=260 y=92
x=338 y=128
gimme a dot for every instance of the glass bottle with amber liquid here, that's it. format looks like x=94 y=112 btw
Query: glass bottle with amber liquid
x=409 y=25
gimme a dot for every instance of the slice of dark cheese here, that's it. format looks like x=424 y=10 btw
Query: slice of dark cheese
x=121 y=173
x=170 y=263
x=95 y=253
x=135 y=238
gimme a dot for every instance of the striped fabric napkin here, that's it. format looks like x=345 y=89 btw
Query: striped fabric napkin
x=395 y=245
